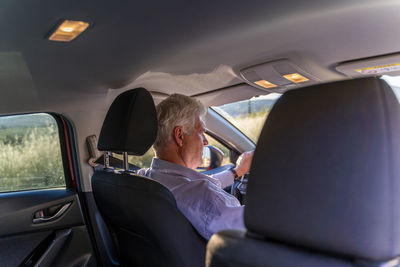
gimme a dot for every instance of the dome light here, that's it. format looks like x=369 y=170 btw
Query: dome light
x=68 y=30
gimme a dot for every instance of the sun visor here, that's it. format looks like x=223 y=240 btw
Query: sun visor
x=384 y=65
x=277 y=76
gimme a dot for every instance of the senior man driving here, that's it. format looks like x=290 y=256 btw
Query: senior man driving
x=179 y=148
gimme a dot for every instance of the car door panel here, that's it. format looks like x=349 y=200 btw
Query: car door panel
x=14 y=249
x=62 y=241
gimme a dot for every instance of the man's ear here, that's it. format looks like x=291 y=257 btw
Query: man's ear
x=178 y=135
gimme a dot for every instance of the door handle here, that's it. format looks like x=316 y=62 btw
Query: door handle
x=50 y=214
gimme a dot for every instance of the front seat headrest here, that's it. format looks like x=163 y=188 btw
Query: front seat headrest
x=130 y=124
x=326 y=171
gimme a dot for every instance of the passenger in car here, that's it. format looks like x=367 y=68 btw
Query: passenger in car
x=179 y=147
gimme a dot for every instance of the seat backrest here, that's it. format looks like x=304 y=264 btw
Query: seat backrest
x=325 y=182
x=142 y=213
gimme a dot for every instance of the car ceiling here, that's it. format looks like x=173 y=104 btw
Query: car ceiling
x=189 y=47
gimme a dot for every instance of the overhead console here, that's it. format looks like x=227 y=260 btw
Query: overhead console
x=382 y=65
x=277 y=76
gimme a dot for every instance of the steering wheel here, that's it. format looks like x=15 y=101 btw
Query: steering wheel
x=239 y=188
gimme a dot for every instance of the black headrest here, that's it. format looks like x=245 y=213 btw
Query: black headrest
x=326 y=171
x=130 y=124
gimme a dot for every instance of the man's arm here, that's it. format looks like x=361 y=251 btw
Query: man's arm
x=242 y=167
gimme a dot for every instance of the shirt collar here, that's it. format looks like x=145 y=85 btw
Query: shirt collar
x=172 y=168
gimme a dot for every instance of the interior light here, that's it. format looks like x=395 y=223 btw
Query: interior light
x=295 y=78
x=68 y=30
x=265 y=84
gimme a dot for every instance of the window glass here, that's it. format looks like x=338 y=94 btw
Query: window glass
x=394 y=82
x=205 y=166
x=145 y=160
x=224 y=149
x=248 y=115
x=30 y=153
x=139 y=161
x=142 y=161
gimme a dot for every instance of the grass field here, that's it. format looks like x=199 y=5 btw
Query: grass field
x=252 y=124
x=31 y=158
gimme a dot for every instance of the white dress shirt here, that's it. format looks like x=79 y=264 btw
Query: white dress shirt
x=199 y=197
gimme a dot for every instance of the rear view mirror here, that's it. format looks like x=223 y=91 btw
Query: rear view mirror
x=212 y=157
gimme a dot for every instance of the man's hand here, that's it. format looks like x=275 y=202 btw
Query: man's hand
x=243 y=163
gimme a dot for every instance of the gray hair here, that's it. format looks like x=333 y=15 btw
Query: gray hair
x=176 y=110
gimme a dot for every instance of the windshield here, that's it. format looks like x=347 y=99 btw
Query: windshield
x=249 y=115
x=394 y=82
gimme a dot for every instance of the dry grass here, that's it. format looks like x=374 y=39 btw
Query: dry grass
x=251 y=125
x=34 y=162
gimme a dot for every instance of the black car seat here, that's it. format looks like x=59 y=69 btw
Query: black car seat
x=324 y=188
x=149 y=229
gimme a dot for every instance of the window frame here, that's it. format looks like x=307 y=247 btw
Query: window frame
x=233 y=152
x=67 y=146
x=244 y=134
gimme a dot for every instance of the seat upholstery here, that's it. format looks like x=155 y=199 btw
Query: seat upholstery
x=148 y=227
x=325 y=182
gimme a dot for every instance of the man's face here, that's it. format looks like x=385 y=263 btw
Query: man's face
x=192 y=149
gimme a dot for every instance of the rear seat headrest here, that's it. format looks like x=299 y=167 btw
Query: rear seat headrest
x=130 y=124
x=326 y=171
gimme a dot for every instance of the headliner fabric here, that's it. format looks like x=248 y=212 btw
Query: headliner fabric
x=326 y=172
x=130 y=124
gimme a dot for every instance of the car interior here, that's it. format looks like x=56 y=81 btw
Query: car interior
x=311 y=86
x=342 y=209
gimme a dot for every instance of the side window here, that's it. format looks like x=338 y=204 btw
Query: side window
x=142 y=161
x=212 y=141
x=145 y=160
x=139 y=161
x=30 y=153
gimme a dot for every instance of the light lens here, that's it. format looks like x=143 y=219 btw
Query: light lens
x=295 y=78
x=68 y=30
x=265 y=84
